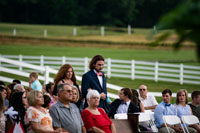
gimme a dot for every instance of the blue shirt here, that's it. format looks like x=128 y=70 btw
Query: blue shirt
x=162 y=110
x=181 y=110
x=35 y=85
x=123 y=107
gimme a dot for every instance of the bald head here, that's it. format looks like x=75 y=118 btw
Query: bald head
x=143 y=91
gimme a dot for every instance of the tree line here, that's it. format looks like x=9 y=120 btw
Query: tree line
x=138 y=13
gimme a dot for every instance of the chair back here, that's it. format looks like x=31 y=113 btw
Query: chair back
x=121 y=116
x=172 y=120
x=190 y=119
x=143 y=117
x=148 y=119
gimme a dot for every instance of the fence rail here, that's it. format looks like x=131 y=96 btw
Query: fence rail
x=117 y=68
x=45 y=74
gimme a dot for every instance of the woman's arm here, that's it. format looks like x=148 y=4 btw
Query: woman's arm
x=113 y=129
x=35 y=127
x=95 y=130
x=142 y=107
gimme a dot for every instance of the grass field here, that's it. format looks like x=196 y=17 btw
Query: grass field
x=186 y=56
x=183 y=56
x=86 y=33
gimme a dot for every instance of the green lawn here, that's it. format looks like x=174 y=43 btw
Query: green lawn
x=183 y=56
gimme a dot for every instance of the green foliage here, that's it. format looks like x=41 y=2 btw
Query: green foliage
x=185 y=19
x=143 y=13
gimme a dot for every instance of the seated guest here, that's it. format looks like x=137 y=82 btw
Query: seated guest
x=195 y=105
x=38 y=117
x=2 y=116
x=135 y=99
x=4 y=93
x=147 y=99
x=76 y=98
x=165 y=108
x=183 y=108
x=18 y=103
x=66 y=115
x=16 y=81
x=47 y=102
x=95 y=119
x=19 y=87
x=49 y=89
x=124 y=104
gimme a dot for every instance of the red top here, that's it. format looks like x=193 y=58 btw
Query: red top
x=100 y=121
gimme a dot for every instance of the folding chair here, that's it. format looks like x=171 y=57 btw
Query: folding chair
x=189 y=120
x=148 y=118
x=172 y=120
x=121 y=116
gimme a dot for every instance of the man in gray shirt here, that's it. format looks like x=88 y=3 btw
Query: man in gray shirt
x=66 y=115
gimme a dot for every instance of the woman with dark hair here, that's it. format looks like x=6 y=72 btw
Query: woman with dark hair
x=49 y=90
x=66 y=75
x=18 y=102
x=137 y=101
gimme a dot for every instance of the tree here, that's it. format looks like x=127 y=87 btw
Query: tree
x=185 y=19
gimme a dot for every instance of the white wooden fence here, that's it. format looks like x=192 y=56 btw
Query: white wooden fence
x=118 y=68
x=45 y=76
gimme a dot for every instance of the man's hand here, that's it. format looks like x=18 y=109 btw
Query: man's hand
x=103 y=96
x=178 y=129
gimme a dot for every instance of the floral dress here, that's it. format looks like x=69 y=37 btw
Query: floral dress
x=43 y=119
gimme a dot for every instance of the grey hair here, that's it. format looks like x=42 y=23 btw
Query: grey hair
x=61 y=86
x=18 y=85
x=92 y=93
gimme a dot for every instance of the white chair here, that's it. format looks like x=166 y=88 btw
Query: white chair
x=172 y=120
x=121 y=116
x=148 y=118
x=189 y=120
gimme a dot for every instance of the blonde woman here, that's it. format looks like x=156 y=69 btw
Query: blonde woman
x=39 y=117
x=182 y=107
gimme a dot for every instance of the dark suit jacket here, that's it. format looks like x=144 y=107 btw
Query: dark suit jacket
x=90 y=80
x=114 y=106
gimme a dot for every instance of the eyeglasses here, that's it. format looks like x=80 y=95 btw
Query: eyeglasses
x=68 y=91
x=142 y=89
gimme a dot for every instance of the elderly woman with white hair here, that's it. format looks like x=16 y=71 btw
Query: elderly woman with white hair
x=95 y=119
x=19 y=87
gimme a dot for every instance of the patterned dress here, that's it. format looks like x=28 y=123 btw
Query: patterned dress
x=43 y=119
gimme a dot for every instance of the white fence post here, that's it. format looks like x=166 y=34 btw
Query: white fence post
x=156 y=72
x=132 y=69
x=74 y=31
x=45 y=33
x=46 y=79
x=14 y=32
x=0 y=62
x=41 y=62
x=20 y=60
x=85 y=64
x=154 y=29
x=109 y=67
x=181 y=74
x=129 y=29
x=102 y=31
x=63 y=60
